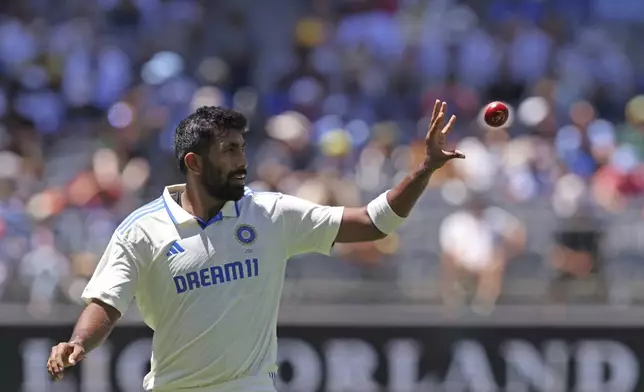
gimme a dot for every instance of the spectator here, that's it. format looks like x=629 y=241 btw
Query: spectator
x=577 y=256
x=43 y=269
x=476 y=243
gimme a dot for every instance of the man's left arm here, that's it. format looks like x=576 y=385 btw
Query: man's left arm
x=385 y=213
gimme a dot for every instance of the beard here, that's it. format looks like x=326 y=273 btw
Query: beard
x=221 y=186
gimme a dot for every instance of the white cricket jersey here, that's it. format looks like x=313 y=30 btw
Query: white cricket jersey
x=210 y=290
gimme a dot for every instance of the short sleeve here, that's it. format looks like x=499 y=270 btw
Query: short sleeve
x=308 y=227
x=115 y=279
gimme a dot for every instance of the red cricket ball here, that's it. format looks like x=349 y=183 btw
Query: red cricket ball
x=496 y=114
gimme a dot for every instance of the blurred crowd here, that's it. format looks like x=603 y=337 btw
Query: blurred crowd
x=338 y=93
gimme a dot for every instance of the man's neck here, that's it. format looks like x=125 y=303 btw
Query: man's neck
x=197 y=202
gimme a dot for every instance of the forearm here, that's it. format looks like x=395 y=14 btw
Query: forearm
x=404 y=196
x=378 y=219
x=94 y=325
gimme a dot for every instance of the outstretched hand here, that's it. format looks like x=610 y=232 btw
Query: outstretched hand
x=436 y=154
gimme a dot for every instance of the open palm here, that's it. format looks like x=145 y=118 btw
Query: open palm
x=435 y=151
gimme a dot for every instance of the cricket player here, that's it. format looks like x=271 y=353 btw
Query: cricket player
x=205 y=261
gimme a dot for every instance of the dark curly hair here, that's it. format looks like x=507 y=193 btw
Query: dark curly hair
x=196 y=132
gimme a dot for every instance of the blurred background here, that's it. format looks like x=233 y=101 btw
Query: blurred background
x=544 y=213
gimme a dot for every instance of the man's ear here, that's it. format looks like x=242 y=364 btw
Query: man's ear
x=193 y=162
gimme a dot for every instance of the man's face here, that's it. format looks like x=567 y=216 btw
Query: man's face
x=224 y=171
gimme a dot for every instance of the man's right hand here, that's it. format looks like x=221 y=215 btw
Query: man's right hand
x=63 y=356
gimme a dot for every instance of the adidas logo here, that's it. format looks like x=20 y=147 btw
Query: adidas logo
x=174 y=249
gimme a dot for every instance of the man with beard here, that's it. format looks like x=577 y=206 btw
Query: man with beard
x=206 y=260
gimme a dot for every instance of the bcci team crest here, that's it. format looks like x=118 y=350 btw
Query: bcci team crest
x=245 y=234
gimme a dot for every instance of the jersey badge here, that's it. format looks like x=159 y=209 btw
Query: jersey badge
x=246 y=234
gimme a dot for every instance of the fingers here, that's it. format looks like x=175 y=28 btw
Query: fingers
x=63 y=355
x=76 y=355
x=55 y=365
x=438 y=116
x=435 y=112
x=450 y=124
x=436 y=135
x=456 y=154
x=59 y=358
x=435 y=125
